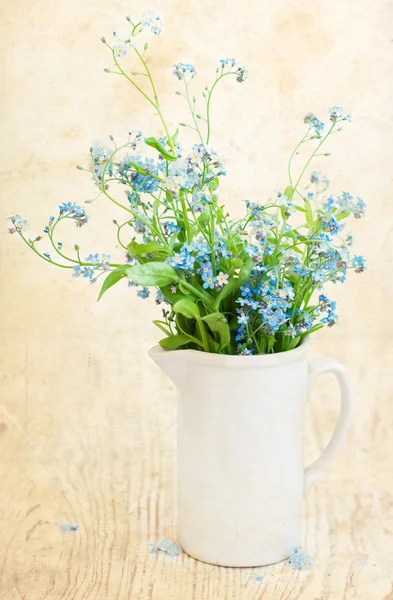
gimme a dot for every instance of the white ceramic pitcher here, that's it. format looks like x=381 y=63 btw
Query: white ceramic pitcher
x=241 y=478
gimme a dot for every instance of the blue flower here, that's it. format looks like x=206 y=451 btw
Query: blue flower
x=20 y=225
x=182 y=260
x=47 y=255
x=105 y=259
x=209 y=281
x=243 y=319
x=160 y=298
x=290 y=331
x=143 y=293
x=205 y=268
x=184 y=71
x=299 y=559
x=336 y=114
x=246 y=352
x=73 y=211
x=330 y=319
x=133 y=197
x=88 y=272
x=151 y=20
x=145 y=184
x=77 y=271
x=94 y=259
x=171 y=548
x=228 y=61
x=172 y=227
x=359 y=263
x=304 y=321
x=311 y=120
x=203 y=250
x=246 y=290
x=317 y=177
x=120 y=50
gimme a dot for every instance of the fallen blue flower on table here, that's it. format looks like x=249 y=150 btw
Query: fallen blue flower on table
x=256 y=577
x=69 y=527
x=171 y=548
x=299 y=559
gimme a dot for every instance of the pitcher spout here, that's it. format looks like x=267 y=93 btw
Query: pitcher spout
x=171 y=362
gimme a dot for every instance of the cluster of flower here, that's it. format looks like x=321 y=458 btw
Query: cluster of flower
x=122 y=43
x=171 y=548
x=258 y=276
x=195 y=258
x=300 y=559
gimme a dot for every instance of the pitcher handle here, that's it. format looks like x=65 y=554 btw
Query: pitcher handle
x=316 y=368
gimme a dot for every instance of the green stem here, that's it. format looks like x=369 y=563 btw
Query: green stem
x=185 y=215
x=293 y=154
x=52 y=262
x=193 y=113
x=157 y=104
x=209 y=102
x=203 y=335
x=312 y=156
x=204 y=297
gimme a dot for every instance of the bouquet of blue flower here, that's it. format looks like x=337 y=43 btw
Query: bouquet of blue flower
x=249 y=286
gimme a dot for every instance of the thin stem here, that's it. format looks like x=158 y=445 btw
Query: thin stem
x=157 y=104
x=293 y=154
x=185 y=215
x=209 y=102
x=192 y=112
x=52 y=262
x=203 y=335
x=312 y=155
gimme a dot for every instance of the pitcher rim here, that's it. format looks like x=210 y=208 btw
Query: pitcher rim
x=235 y=361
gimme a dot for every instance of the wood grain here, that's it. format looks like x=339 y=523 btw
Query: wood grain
x=103 y=460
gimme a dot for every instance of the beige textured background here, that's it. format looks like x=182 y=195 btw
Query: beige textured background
x=86 y=422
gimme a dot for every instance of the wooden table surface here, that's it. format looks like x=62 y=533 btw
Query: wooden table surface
x=87 y=439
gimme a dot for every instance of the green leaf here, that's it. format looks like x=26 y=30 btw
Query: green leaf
x=219 y=325
x=168 y=196
x=153 y=273
x=187 y=308
x=112 y=278
x=213 y=184
x=204 y=217
x=183 y=289
x=343 y=215
x=138 y=168
x=308 y=211
x=154 y=143
x=289 y=191
x=294 y=343
x=236 y=263
x=272 y=261
x=136 y=250
x=270 y=342
x=174 y=341
x=162 y=326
